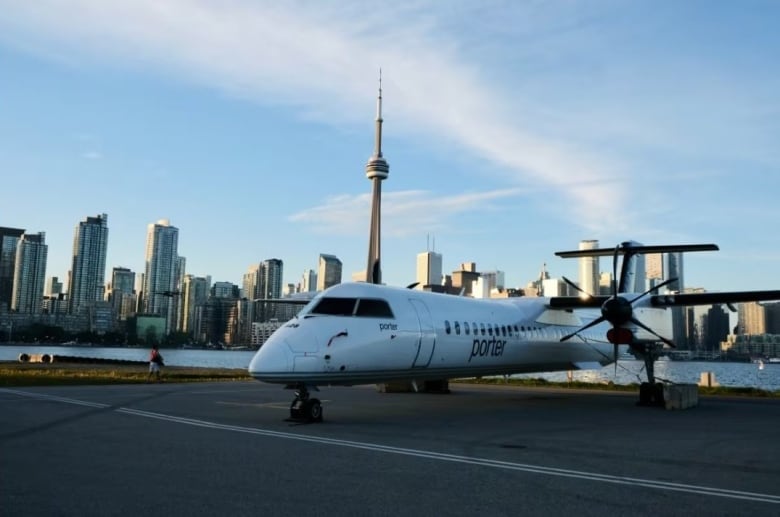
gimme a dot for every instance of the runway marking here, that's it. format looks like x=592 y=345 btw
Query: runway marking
x=418 y=453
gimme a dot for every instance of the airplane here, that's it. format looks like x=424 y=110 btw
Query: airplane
x=364 y=333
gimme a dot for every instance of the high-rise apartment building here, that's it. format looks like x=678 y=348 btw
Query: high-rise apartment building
x=589 y=269
x=252 y=282
x=328 y=271
x=53 y=287
x=121 y=293
x=264 y=280
x=752 y=318
x=88 y=267
x=29 y=273
x=273 y=270
x=309 y=281
x=9 y=237
x=161 y=271
x=429 y=266
x=194 y=293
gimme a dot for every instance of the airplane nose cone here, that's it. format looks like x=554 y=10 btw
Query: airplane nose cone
x=272 y=359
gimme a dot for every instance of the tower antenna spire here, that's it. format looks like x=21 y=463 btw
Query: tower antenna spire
x=377 y=170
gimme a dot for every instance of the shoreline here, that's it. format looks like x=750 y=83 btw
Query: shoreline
x=16 y=374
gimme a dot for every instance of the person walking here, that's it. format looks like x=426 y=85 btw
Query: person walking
x=155 y=363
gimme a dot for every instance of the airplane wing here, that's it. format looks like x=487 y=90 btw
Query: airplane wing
x=576 y=302
x=639 y=249
x=674 y=300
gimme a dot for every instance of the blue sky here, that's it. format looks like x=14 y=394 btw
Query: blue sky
x=513 y=130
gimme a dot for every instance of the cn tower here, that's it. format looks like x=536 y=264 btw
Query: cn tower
x=377 y=170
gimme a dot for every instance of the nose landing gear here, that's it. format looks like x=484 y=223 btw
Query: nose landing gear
x=304 y=408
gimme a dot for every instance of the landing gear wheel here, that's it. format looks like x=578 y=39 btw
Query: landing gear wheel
x=303 y=408
x=651 y=394
x=312 y=410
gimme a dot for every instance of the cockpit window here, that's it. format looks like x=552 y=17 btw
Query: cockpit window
x=373 y=308
x=364 y=307
x=335 y=306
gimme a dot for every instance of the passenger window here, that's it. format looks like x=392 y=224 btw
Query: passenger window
x=368 y=307
x=517 y=330
x=335 y=306
x=503 y=330
x=482 y=328
x=457 y=328
x=466 y=327
x=498 y=329
x=447 y=328
x=490 y=329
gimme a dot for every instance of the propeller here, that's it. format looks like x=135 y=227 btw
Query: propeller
x=618 y=311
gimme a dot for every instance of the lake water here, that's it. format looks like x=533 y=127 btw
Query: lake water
x=628 y=371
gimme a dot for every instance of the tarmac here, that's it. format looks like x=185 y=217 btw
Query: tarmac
x=225 y=448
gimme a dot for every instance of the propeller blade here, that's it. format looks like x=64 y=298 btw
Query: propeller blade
x=665 y=282
x=598 y=320
x=653 y=332
x=576 y=287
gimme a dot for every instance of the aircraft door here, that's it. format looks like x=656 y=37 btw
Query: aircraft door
x=426 y=339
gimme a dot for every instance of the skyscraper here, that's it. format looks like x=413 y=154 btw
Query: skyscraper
x=589 y=269
x=429 y=266
x=160 y=273
x=252 y=282
x=377 y=170
x=194 y=293
x=273 y=270
x=328 y=271
x=9 y=237
x=88 y=269
x=121 y=294
x=29 y=273
x=309 y=282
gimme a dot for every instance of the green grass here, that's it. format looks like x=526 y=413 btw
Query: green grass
x=538 y=382
x=79 y=374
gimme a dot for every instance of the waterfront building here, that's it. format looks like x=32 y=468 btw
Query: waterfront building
x=494 y=279
x=252 y=287
x=29 y=273
x=226 y=290
x=429 y=269
x=195 y=292
x=121 y=293
x=88 y=267
x=328 y=271
x=53 y=287
x=309 y=281
x=9 y=237
x=752 y=318
x=589 y=269
x=161 y=271
x=273 y=271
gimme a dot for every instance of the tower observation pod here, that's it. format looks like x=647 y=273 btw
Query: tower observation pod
x=377 y=169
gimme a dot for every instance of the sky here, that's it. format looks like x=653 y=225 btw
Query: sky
x=513 y=129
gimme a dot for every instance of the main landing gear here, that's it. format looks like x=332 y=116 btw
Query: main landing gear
x=304 y=408
x=651 y=393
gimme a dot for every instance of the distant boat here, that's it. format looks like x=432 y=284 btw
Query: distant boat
x=760 y=364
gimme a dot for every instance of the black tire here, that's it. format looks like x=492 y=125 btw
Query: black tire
x=645 y=394
x=313 y=410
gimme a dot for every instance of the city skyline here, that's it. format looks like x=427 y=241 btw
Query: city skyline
x=611 y=122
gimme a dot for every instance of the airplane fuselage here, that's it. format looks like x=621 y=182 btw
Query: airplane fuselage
x=363 y=333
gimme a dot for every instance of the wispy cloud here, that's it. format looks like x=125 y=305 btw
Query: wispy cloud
x=91 y=155
x=404 y=213
x=322 y=58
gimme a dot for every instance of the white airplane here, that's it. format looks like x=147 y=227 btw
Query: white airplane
x=361 y=333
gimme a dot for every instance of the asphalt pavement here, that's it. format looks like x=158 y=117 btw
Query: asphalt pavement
x=225 y=448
